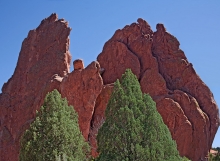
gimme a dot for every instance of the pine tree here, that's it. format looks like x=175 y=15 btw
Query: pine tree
x=55 y=134
x=133 y=129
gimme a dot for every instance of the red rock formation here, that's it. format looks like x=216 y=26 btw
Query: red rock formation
x=36 y=75
x=78 y=64
x=24 y=93
x=185 y=103
x=179 y=125
x=190 y=92
x=115 y=61
x=81 y=88
x=183 y=100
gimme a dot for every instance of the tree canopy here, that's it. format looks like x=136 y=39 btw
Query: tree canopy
x=54 y=134
x=133 y=129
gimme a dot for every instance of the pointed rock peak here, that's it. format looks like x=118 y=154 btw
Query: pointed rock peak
x=145 y=27
x=52 y=18
x=160 y=27
x=142 y=22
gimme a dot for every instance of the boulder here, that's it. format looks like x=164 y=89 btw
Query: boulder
x=78 y=64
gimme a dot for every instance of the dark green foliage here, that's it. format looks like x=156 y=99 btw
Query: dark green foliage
x=218 y=149
x=55 y=134
x=133 y=129
x=215 y=157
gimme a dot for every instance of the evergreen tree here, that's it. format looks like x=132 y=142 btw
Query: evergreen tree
x=133 y=129
x=216 y=157
x=55 y=134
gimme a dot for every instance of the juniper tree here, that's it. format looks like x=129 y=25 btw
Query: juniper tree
x=133 y=129
x=55 y=134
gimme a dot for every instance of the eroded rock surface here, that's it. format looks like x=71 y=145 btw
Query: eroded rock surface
x=81 y=88
x=185 y=103
x=78 y=64
x=190 y=92
x=24 y=93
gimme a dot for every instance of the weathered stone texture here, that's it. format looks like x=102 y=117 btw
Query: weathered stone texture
x=81 y=88
x=185 y=103
x=78 y=64
x=194 y=96
x=117 y=62
x=24 y=93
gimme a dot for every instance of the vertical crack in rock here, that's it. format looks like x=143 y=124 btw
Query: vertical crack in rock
x=98 y=117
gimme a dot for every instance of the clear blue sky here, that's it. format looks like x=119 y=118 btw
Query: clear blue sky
x=195 y=24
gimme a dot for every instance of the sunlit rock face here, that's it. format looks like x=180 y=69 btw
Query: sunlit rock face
x=44 y=53
x=185 y=103
x=81 y=88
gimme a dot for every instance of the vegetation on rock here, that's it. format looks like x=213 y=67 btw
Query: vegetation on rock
x=133 y=129
x=55 y=134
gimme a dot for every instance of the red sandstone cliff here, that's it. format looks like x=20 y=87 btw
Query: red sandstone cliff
x=183 y=100
x=24 y=93
x=81 y=88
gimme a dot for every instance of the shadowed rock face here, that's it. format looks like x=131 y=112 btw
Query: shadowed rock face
x=185 y=103
x=99 y=116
